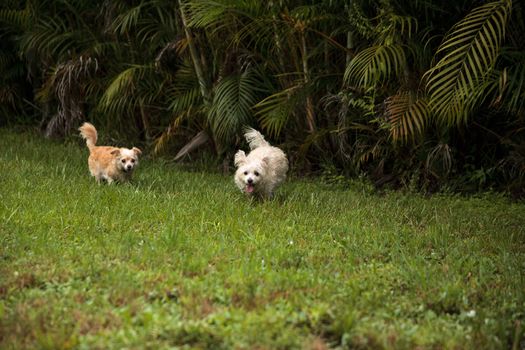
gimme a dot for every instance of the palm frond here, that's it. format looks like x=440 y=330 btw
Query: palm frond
x=513 y=89
x=6 y=60
x=232 y=105
x=158 y=27
x=407 y=116
x=7 y=96
x=122 y=86
x=275 y=110
x=53 y=37
x=127 y=20
x=374 y=65
x=392 y=26
x=202 y=14
x=168 y=133
x=183 y=101
x=183 y=91
x=358 y=21
x=221 y=13
x=15 y=18
x=468 y=52
x=439 y=160
x=274 y=121
x=67 y=83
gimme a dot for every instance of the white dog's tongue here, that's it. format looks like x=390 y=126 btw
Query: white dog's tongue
x=249 y=188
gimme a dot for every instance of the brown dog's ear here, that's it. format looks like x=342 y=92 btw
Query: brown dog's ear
x=115 y=152
x=137 y=151
x=239 y=159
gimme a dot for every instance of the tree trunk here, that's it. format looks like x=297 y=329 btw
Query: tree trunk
x=145 y=121
x=197 y=64
x=310 y=113
x=349 y=41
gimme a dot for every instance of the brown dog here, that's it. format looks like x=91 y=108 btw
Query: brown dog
x=106 y=162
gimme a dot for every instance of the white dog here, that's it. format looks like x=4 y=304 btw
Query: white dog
x=263 y=169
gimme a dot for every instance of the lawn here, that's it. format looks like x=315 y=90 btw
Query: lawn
x=180 y=259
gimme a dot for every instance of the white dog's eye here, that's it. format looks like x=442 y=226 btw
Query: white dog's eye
x=256 y=173
x=245 y=173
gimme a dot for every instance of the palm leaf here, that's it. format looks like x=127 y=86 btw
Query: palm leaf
x=15 y=18
x=513 y=89
x=439 y=160
x=202 y=14
x=168 y=133
x=274 y=121
x=407 y=116
x=7 y=96
x=275 y=110
x=126 y=21
x=122 y=86
x=6 y=61
x=185 y=100
x=232 y=105
x=221 y=13
x=469 y=53
x=374 y=65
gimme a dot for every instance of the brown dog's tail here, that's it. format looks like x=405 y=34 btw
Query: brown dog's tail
x=89 y=133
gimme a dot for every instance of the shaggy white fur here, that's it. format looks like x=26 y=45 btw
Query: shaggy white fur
x=263 y=169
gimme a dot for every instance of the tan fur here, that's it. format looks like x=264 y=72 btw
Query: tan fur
x=106 y=162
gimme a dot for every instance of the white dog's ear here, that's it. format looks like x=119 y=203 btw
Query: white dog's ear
x=266 y=160
x=239 y=159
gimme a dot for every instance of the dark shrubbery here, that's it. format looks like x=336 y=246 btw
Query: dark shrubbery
x=425 y=94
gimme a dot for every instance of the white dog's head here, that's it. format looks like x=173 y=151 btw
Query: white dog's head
x=251 y=173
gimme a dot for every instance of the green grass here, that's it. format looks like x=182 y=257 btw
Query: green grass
x=181 y=259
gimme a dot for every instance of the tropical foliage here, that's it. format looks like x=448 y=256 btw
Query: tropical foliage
x=426 y=93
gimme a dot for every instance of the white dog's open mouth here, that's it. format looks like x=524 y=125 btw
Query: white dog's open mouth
x=249 y=188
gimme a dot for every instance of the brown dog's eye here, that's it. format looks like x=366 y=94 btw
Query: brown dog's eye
x=123 y=161
x=132 y=160
x=245 y=173
x=256 y=173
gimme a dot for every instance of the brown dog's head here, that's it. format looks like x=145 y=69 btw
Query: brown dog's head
x=127 y=159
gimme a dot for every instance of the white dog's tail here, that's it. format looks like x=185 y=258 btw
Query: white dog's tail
x=255 y=138
x=89 y=133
